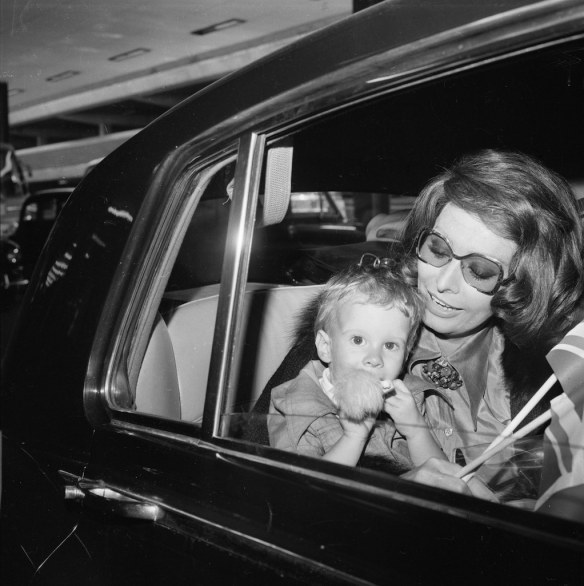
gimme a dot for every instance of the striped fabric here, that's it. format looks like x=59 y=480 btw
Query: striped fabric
x=562 y=484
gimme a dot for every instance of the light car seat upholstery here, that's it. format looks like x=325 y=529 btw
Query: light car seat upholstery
x=269 y=314
x=157 y=389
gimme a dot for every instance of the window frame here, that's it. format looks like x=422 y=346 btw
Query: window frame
x=134 y=308
x=314 y=467
x=230 y=302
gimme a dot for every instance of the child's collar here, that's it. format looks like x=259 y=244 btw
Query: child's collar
x=327 y=386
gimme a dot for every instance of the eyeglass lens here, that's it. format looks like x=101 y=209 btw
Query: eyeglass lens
x=479 y=272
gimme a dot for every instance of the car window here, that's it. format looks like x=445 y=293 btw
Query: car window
x=354 y=176
x=168 y=364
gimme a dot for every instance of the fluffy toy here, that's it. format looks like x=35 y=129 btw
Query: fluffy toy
x=360 y=395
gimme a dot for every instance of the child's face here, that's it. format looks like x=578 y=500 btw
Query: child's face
x=365 y=337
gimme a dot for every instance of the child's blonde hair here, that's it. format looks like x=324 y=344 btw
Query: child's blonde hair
x=375 y=284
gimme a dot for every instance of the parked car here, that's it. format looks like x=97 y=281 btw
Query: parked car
x=38 y=214
x=12 y=278
x=14 y=188
x=167 y=292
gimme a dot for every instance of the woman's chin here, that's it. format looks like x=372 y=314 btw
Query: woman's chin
x=455 y=325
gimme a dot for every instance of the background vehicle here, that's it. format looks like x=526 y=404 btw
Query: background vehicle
x=167 y=293
x=37 y=217
x=12 y=276
x=14 y=189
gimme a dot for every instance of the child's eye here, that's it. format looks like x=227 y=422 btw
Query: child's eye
x=391 y=346
x=357 y=340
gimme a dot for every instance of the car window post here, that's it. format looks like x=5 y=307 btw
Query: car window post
x=233 y=277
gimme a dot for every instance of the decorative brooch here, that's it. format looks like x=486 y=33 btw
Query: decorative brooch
x=442 y=374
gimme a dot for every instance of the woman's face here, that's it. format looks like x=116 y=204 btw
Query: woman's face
x=453 y=307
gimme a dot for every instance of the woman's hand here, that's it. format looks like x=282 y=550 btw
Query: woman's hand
x=442 y=474
x=479 y=489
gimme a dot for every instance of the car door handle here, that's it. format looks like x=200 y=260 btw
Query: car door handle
x=108 y=501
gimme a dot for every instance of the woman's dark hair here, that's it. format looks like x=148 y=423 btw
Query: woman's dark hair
x=519 y=199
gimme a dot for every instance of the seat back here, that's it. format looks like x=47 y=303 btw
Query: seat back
x=269 y=313
x=157 y=388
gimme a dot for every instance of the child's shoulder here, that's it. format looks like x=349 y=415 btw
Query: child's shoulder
x=304 y=389
x=311 y=372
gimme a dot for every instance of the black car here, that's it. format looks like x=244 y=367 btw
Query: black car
x=12 y=277
x=168 y=291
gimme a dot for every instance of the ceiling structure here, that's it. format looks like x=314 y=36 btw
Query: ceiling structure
x=80 y=69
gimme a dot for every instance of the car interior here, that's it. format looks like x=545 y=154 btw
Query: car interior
x=370 y=160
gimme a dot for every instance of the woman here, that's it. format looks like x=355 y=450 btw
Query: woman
x=496 y=252
x=495 y=248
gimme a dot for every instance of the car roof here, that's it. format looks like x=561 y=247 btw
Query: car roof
x=378 y=29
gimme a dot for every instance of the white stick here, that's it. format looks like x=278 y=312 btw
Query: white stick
x=549 y=383
x=491 y=451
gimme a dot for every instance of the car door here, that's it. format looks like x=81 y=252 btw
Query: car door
x=156 y=500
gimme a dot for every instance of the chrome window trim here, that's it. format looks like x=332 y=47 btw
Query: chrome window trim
x=233 y=278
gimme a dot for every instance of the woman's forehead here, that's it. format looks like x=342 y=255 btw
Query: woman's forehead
x=467 y=234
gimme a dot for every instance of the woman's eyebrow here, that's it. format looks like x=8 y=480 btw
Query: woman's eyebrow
x=472 y=252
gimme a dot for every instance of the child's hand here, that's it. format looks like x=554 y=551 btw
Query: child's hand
x=402 y=408
x=358 y=431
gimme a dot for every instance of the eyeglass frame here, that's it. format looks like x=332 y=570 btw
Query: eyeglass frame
x=501 y=281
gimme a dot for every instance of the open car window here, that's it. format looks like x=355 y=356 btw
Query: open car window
x=355 y=174
x=373 y=159
x=167 y=364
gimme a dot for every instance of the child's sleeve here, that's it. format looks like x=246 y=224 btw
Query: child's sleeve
x=320 y=436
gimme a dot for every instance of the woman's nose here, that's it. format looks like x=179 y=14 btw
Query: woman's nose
x=449 y=276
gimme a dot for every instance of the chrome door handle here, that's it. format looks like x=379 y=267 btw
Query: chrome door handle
x=109 y=501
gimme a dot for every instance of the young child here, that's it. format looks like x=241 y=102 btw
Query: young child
x=366 y=324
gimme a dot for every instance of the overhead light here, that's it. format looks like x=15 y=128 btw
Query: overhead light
x=15 y=91
x=219 y=26
x=129 y=54
x=64 y=75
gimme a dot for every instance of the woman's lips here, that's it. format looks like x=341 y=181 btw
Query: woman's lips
x=441 y=305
